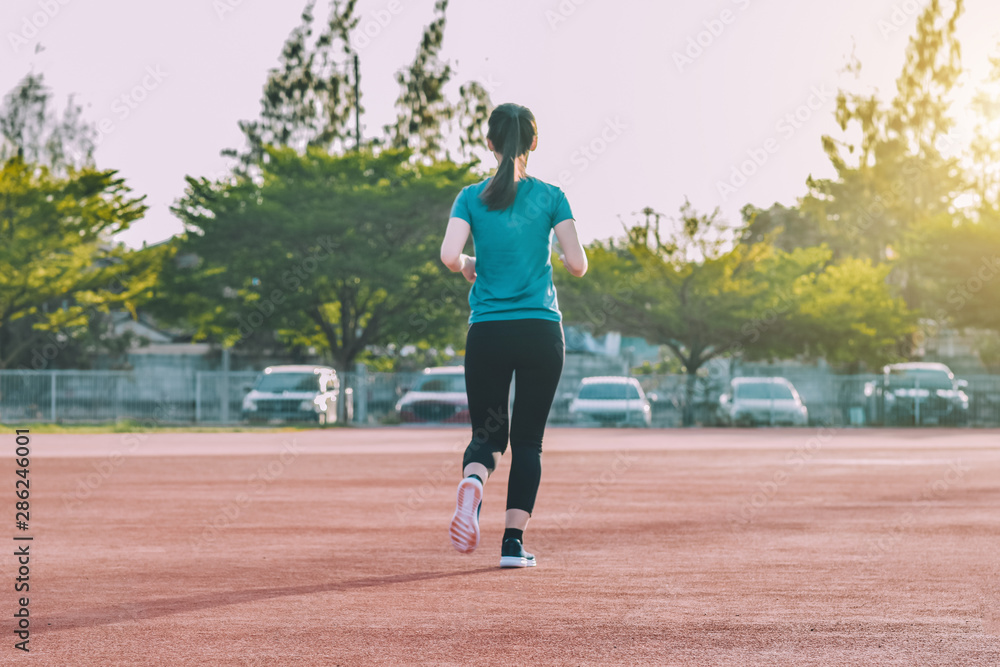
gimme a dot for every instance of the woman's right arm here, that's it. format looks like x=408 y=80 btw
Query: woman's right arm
x=573 y=257
x=454 y=241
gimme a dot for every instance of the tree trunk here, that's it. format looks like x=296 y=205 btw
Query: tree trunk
x=692 y=378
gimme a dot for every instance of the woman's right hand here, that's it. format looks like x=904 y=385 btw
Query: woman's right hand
x=571 y=252
x=469 y=268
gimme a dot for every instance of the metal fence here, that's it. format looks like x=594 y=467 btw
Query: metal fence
x=216 y=397
x=67 y=396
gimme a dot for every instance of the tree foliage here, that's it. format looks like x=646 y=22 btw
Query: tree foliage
x=422 y=107
x=31 y=130
x=294 y=191
x=309 y=97
x=895 y=163
x=58 y=268
x=984 y=151
x=954 y=266
x=694 y=290
x=337 y=252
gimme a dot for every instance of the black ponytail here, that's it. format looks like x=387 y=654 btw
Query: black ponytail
x=511 y=129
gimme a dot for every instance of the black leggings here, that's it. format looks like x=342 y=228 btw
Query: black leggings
x=533 y=352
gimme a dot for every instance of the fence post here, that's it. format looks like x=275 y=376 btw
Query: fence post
x=343 y=396
x=197 y=397
x=225 y=385
x=361 y=394
x=117 y=409
x=52 y=401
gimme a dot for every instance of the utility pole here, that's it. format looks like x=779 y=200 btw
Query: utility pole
x=357 y=101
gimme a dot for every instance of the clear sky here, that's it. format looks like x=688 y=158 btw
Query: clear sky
x=624 y=122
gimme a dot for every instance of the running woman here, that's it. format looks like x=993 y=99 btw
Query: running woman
x=515 y=327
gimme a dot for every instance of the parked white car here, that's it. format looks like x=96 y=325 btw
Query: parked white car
x=293 y=393
x=769 y=401
x=611 y=400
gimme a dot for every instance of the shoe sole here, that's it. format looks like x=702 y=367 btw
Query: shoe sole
x=516 y=561
x=465 y=522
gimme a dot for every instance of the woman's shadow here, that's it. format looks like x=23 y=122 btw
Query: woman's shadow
x=135 y=611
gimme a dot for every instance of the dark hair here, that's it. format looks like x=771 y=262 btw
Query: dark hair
x=511 y=129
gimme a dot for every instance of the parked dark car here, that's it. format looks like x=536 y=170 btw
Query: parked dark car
x=438 y=396
x=917 y=394
x=293 y=393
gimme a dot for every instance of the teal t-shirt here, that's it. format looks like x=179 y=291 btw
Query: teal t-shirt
x=514 y=251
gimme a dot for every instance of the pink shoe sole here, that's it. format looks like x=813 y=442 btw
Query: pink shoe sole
x=465 y=522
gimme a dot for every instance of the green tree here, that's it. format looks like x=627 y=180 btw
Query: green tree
x=381 y=219
x=849 y=315
x=787 y=228
x=29 y=129
x=58 y=267
x=48 y=159
x=426 y=118
x=697 y=291
x=896 y=165
x=955 y=267
x=339 y=252
x=984 y=151
x=423 y=109
x=309 y=97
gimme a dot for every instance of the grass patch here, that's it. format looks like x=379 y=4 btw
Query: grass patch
x=138 y=426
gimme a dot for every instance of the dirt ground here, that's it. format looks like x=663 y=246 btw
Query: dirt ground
x=330 y=547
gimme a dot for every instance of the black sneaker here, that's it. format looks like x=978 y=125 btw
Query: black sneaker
x=512 y=554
